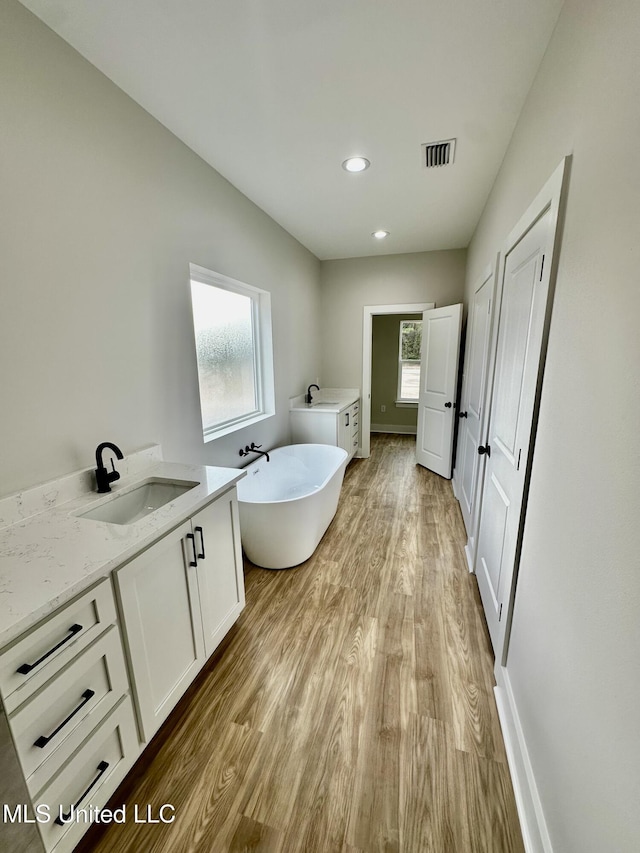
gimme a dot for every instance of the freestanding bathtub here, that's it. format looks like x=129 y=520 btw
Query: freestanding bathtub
x=287 y=504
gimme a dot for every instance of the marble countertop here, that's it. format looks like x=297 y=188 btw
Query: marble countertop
x=50 y=555
x=333 y=400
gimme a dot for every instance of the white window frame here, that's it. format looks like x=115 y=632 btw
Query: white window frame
x=405 y=402
x=263 y=351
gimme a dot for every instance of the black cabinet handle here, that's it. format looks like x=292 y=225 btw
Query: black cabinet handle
x=484 y=449
x=86 y=697
x=462 y=414
x=65 y=818
x=26 y=668
x=199 y=530
x=447 y=405
x=193 y=563
x=346 y=423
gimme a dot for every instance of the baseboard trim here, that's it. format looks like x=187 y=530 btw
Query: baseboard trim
x=532 y=823
x=394 y=429
x=469 y=555
x=454 y=485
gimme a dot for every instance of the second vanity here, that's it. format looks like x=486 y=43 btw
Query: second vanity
x=332 y=417
x=104 y=624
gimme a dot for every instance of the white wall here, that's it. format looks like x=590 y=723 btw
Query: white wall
x=102 y=210
x=574 y=656
x=349 y=285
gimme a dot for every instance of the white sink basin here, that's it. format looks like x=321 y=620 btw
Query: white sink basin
x=325 y=403
x=139 y=501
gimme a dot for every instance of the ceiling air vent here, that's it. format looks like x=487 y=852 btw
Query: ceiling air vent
x=438 y=153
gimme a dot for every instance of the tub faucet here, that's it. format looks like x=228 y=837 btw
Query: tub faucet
x=104 y=477
x=307 y=397
x=254 y=448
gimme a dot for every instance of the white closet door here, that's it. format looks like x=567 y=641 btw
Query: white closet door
x=469 y=465
x=523 y=310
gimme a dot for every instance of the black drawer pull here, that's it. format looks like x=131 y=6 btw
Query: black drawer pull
x=26 y=668
x=65 y=818
x=193 y=563
x=86 y=697
x=199 y=530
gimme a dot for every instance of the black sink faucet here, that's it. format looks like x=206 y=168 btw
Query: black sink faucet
x=104 y=477
x=254 y=448
x=307 y=397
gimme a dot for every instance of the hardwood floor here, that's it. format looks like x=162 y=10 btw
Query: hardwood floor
x=351 y=708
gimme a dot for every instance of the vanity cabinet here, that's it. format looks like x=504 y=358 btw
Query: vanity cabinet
x=178 y=600
x=65 y=688
x=87 y=678
x=337 y=426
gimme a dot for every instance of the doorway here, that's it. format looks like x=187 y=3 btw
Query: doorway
x=395 y=373
x=371 y=311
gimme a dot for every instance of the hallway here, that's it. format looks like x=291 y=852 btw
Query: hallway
x=351 y=708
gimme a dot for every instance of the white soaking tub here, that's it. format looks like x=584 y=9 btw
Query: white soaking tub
x=287 y=504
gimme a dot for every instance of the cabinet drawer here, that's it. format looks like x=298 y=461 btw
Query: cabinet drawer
x=89 y=779
x=34 y=658
x=55 y=720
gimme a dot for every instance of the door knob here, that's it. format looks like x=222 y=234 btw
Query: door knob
x=484 y=449
x=447 y=405
x=462 y=414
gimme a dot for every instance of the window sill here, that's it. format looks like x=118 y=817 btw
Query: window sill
x=406 y=404
x=235 y=426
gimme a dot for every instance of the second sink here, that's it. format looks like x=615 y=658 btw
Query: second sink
x=138 y=502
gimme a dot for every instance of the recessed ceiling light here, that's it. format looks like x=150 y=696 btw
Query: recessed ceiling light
x=356 y=164
x=380 y=235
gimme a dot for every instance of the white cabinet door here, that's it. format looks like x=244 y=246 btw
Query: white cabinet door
x=438 y=379
x=159 y=598
x=220 y=577
x=315 y=427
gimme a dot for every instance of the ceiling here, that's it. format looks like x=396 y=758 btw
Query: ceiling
x=275 y=94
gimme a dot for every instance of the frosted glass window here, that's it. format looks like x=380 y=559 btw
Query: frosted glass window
x=227 y=318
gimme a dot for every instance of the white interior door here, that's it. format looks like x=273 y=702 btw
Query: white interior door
x=474 y=382
x=525 y=293
x=438 y=379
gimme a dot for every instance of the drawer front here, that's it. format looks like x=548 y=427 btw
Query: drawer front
x=34 y=658
x=88 y=780
x=51 y=725
x=355 y=424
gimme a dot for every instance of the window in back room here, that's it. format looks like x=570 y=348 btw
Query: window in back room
x=410 y=340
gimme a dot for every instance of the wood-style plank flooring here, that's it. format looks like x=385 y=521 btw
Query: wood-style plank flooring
x=351 y=708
